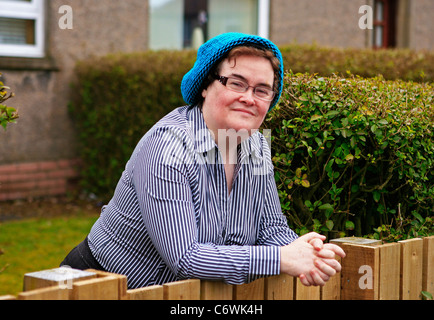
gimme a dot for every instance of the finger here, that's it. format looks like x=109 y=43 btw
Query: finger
x=333 y=263
x=316 y=277
x=326 y=254
x=312 y=235
x=325 y=268
x=303 y=280
x=336 y=249
x=317 y=244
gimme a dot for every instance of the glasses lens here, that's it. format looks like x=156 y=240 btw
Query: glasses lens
x=262 y=93
x=237 y=85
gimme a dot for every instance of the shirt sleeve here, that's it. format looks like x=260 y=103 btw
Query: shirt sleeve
x=162 y=183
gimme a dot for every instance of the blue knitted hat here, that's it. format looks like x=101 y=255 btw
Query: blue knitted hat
x=212 y=52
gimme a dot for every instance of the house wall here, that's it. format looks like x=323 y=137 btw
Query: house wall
x=44 y=133
x=335 y=23
x=332 y=23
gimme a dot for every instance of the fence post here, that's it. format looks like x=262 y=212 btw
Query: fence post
x=428 y=265
x=360 y=272
x=63 y=277
x=411 y=268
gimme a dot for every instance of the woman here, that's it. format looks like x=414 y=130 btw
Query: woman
x=198 y=198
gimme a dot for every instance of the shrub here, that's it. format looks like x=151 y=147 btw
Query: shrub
x=7 y=114
x=392 y=64
x=119 y=98
x=353 y=154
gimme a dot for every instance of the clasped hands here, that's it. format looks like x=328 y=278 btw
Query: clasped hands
x=309 y=259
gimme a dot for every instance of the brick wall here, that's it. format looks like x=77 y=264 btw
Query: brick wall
x=37 y=179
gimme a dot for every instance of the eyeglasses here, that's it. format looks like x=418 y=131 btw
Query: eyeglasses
x=241 y=86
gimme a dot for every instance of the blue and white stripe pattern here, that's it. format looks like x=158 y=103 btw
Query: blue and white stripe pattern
x=172 y=217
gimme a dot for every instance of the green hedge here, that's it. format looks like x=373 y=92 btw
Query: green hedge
x=355 y=154
x=351 y=154
x=392 y=64
x=119 y=98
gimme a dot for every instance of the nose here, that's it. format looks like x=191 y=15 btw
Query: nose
x=247 y=97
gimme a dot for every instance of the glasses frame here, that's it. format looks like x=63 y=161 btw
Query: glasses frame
x=224 y=80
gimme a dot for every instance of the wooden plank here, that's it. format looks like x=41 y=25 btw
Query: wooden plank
x=279 y=287
x=332 y=289
x=62 y=276
x=122 y=279
x=357 y=240
x=390 y=266
x=147 y=293
x=215 y=290
x=8 y=297
x=49 y=293
x=306 y=293
x=103 y=288
x=182 y=290
x=411 y=269
x=428 y=265
x=250 y=291
x=360 y=272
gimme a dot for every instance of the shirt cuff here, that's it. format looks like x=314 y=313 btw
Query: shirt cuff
x=264 y=261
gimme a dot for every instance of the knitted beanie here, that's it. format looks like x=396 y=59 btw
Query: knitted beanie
x=212 y=52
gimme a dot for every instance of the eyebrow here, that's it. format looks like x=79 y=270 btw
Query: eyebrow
x=239 y=76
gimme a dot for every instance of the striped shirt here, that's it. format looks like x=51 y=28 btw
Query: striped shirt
x=172 y=217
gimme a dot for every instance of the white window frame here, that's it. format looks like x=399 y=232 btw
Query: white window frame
x=264 y=18
x=33 y=10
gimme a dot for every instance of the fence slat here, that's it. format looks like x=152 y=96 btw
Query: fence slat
x=49 y=293
x=147 y=293
x=122 y=281
x=390 y=266
x=250 y=291
x=215 y=290
x=411 y=269
x=182 y=290
x=428 y=265
x=103 y=288
x=332 y=289
x=279 y=287
x=306 y=293
x=360 y=272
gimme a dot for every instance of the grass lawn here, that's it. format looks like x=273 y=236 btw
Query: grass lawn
x=37 y=244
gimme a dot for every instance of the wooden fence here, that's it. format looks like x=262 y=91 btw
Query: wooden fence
x=371 y=271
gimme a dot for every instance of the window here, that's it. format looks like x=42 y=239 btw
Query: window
x=22 y=28
x=179 y=24
x=384 y=24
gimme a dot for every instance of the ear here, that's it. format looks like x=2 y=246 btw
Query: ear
x=204 y=93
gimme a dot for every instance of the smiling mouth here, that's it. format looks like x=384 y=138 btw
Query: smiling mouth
x=244 y=111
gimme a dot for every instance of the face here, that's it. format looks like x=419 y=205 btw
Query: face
x=226 y=109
